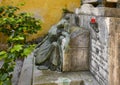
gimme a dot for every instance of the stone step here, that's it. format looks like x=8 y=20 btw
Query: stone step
x=47 y=77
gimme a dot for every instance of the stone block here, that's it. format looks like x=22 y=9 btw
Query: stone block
x=89 y=1
x=76 y=58
x=108 y=43
x=88 y=9
x=17 y=71
x=27 y=71
x=112 y=0
x=94 y=1
x=80 y=38
x=114 y=51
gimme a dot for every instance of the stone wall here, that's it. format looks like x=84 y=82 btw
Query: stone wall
x=114 y=51
x=99 y=45
x=104 y=52
x=99 y=48
x=76 y=58
x=99 y=52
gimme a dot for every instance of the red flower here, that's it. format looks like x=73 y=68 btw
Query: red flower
x=93 y=20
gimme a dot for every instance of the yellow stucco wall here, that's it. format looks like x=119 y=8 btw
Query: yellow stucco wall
x=49 y=11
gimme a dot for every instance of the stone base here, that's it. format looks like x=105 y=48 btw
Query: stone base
x=47 y=77
x=77 y=56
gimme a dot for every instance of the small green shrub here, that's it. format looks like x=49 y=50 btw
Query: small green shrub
x=17 y=26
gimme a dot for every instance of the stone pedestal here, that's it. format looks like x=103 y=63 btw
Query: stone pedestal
x=76 y=57
x=104 y=53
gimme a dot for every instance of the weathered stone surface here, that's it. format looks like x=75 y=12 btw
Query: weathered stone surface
x=114 y=52
x=80 y=38
x=93 y=1
x=27 y=71
x=42 y=67
x=77 y=56
x=99 y=46
x=76 y=60
x=88 y=9
x=17 y=71
x=89 y=1
x=1 y=63
x=112 y=0
x=85 y=9
x=47 y=77
x=105 y=61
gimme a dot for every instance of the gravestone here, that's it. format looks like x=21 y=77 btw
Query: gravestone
x=77 y=56
x=104 y=52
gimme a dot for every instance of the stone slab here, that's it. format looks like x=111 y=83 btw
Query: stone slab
x=89 y=1
x=114 y=52
x=47 y=77
x=112 y=0
x=80 y=38
x=27 y=71
x=76 y=58
x=17 y=71
x=93 y=1
x=87 y=9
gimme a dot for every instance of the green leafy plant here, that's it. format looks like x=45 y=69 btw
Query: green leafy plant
x=17 y=26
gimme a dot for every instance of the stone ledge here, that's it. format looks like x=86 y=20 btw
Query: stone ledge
x=94 y=1
x=27 y=71
x=88 y=9
x=89 y=1
x=47 y=77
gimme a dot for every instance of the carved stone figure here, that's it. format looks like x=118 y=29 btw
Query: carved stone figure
x=49 y=52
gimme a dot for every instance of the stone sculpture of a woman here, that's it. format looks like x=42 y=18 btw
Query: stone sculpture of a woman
x=50 y=51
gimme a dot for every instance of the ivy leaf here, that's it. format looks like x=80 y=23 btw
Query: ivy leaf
x=18 y=38
x=4 y=76
x=17 y=48
x=3 y=55
x=28 y=50
x=7 y=82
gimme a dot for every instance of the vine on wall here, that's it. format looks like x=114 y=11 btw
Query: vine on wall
x=17 y=26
